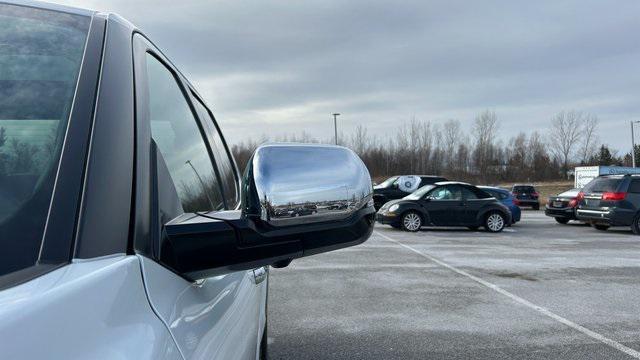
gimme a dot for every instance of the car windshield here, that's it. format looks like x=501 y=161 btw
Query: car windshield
x=418 y=194
x=388 y=182
x=603 y=184
x=40 y=56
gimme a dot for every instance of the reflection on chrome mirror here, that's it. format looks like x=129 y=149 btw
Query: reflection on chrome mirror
x=293 y=184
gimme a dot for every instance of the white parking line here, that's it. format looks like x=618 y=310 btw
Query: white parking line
x=614 y=344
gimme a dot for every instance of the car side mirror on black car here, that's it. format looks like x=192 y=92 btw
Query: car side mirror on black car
x=297 y=200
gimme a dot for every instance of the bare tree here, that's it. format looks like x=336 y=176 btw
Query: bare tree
x=426 y=146
x=360 y=140
x=484 y=130
x=589 y=139
x=564 y=136
x=422 y=146
x=452 y=135
x=516 y=156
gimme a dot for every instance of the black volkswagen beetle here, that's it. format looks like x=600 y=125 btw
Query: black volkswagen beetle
x=390 y=189
x=446 y=204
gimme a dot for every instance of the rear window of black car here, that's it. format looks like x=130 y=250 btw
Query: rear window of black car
x=496 y=194
x=603 y=184
x=526 y=189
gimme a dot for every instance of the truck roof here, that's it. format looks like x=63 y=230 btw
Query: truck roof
x=50 y=6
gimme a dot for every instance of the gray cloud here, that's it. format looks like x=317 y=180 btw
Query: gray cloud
x=281 y=67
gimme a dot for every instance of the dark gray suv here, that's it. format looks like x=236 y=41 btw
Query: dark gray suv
x=612 y=200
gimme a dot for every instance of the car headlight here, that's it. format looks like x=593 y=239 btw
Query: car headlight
x=394 y=207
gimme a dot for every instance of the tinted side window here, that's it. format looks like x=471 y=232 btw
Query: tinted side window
x=485 y=193
x=446 y=193
x=493 y=193
x=634 y=187
x=221 y=156
x=468 y=193
x=179 y=139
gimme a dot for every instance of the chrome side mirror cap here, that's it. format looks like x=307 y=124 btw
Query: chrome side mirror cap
x=294 y=184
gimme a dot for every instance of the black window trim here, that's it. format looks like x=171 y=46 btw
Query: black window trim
x=59 y=234
x=236 y=172
x=143 y=240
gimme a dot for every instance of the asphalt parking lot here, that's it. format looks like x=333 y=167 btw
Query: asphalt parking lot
x=538 y=290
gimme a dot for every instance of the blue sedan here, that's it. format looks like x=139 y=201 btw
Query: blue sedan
x=506 y=198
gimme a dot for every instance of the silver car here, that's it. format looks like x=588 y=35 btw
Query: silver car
x=126 y=230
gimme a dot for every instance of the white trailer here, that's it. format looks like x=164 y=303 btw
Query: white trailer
x=584 y=174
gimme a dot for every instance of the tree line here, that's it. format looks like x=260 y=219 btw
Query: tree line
x=476 y=155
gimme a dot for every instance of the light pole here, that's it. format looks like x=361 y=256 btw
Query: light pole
x=335 y=126
x=633 y=144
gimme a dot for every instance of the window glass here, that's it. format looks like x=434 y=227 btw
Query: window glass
x=221 y=157
x=524 y=189
x=416 y=195
x=446 y=193
x=468 y=194
x=493 y=193
x=180 y=141
x=485 y=193
x=387 y=183
x=602 y=184
x=634 y=187
x=40 y=56
x=570 y=193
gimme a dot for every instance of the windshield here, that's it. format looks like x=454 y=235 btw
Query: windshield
x=388 y=182
x=40 y=56
x=418 y=194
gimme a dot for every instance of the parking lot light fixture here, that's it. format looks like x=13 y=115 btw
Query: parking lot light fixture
x=335 y=126
x=633 y=144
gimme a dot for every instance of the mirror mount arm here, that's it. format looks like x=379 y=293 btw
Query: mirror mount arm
x=208 y=244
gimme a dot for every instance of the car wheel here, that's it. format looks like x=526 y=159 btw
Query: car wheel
x=635 y=225
x=562 y=221
x=601 y=227
x=494 y=222
x=411 y=221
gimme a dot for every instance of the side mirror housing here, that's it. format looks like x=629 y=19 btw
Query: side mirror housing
x=297 y=200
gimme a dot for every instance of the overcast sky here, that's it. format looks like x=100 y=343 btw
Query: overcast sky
x=275 y=67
